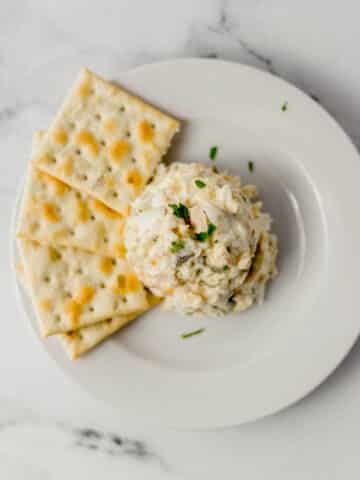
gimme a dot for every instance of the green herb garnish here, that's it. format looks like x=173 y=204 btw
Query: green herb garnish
x=191 y=334
x=180 y=211
x=284 y=106
x=211 y=229
x=226 y=268
x=200 y=184
x=176 y=246
x=213 y=152
x=251 y=166
x=202 y=236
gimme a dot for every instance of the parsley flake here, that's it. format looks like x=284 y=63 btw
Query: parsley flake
x=200 y=184
x=176 y=246
x=211 y=229
x=202 y=236
x=180 y=211
x=191 y=334
x=251 y=166
x=226 y=268
x=284 y=106
x=213 y=152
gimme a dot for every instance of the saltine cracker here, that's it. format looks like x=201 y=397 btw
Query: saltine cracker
x=105 y=142
x=72 y=288
x=53 y=213
x=78 y=342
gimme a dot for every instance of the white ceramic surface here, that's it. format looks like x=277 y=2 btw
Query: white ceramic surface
x=292 y=341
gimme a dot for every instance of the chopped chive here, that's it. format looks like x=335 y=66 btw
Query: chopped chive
x=191 y=334
x=226 y=268
x=213 y=152
x=200 y=184
x=180 y=211
x=251 y=166
x=284 y=106
x=202 y=236
x=176 y=246
x=211 y=229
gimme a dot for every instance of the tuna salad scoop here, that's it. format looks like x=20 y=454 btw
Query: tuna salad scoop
x=199 y=239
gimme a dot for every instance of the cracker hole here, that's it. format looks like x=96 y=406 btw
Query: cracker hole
x=84 y=177
x=92 y=217
x=79 y=271
x=72 y=233
x=56 y=255
x=102 y=285
x=122 y=108
x=102 y=143
x=91 y=309
x=67 y=295
x=78 y=151
x=113 y=261
x=81 y=336
x=92 y=91
x=97 y=116
x=133 y=160
x=57 y=318
x=115 y=194
x=106 y=240
x=78 y=195
x=72 y=125
x=127 y=133
x=124 y=299
x=46 y=279
x=34 y=226
x=153 y=125
x=53 y=159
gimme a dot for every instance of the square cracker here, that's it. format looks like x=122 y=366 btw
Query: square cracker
x=56 y=214
x=80 y=341
x=84 y=339
x=71 y=288
x=105 y=141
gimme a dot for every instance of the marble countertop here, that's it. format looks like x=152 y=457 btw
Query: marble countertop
x=49 y=428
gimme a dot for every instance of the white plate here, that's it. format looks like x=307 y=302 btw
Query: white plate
x=244 y=366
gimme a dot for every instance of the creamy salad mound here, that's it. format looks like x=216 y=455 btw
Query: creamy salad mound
x=199 y=239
